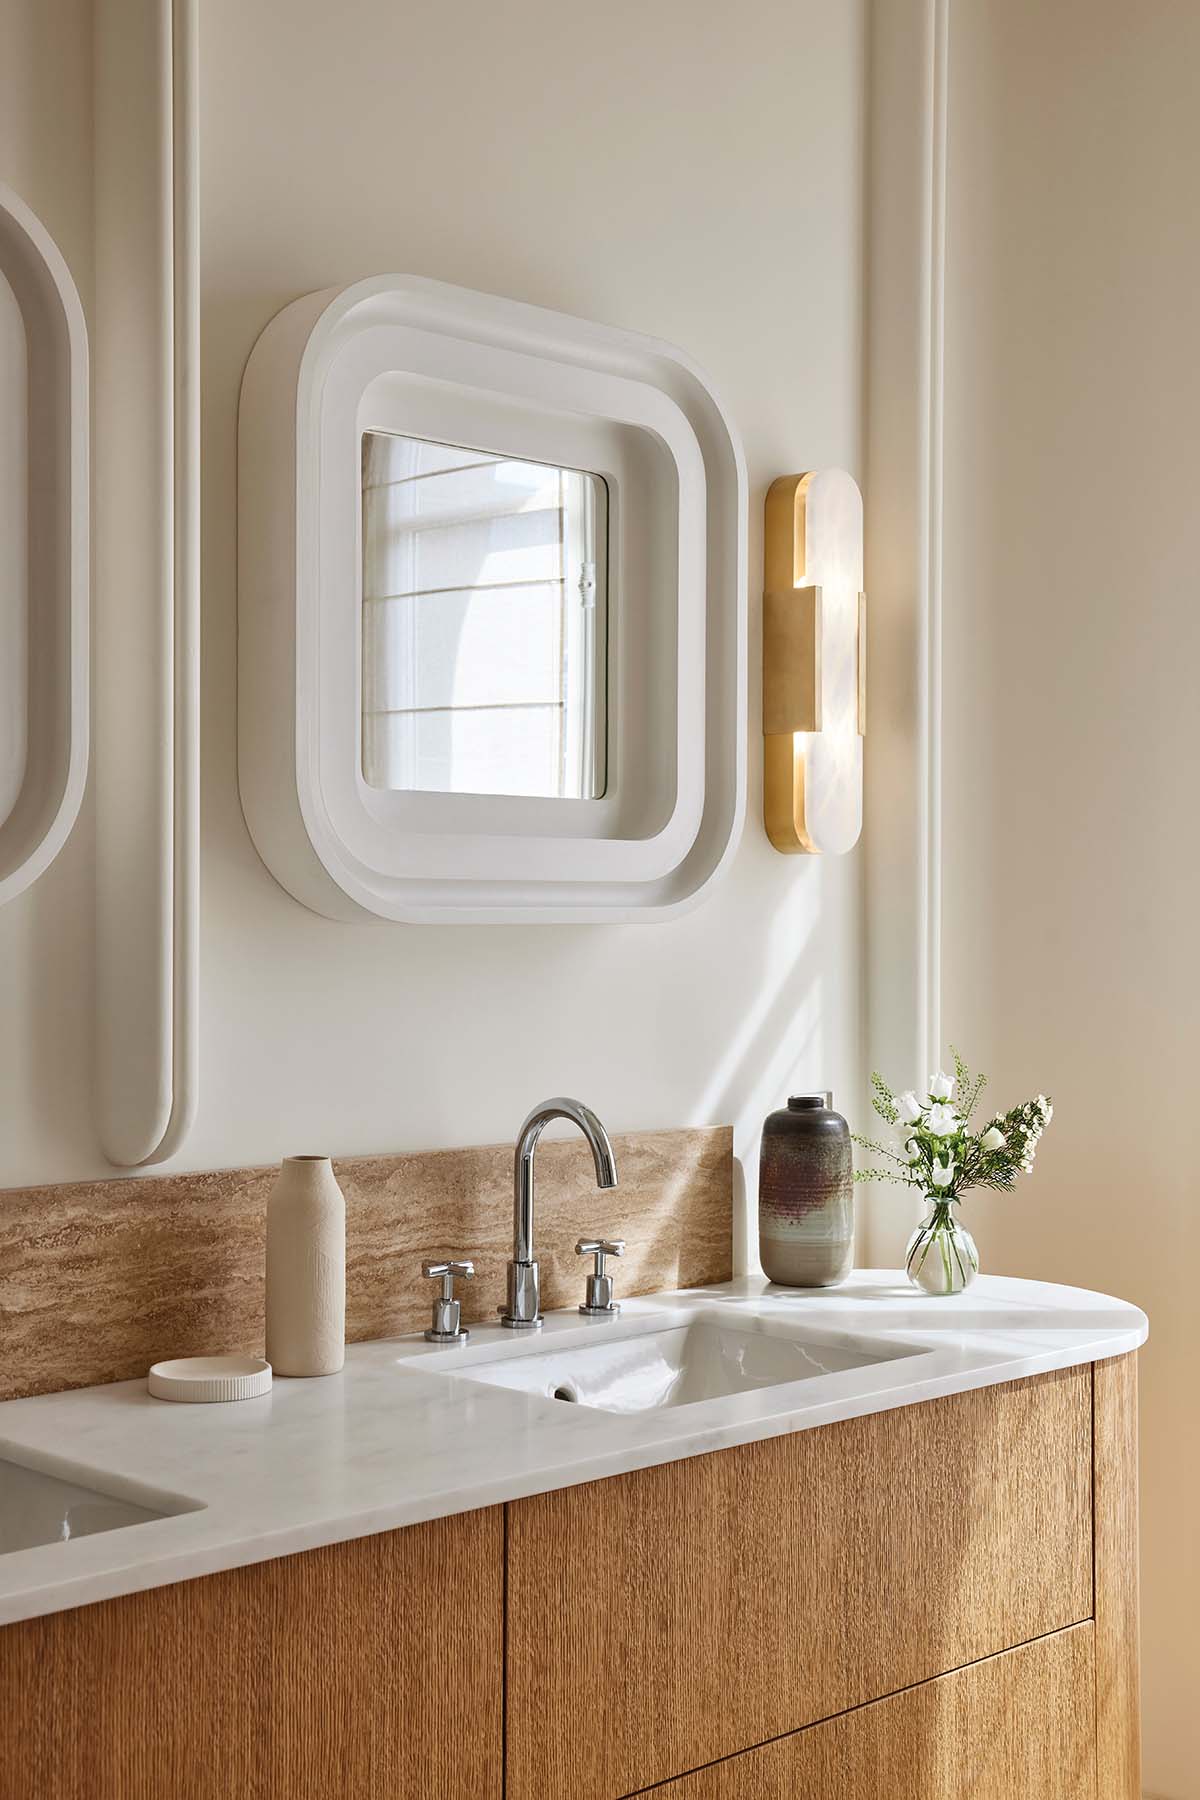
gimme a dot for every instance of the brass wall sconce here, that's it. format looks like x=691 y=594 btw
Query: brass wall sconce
x=814 y=663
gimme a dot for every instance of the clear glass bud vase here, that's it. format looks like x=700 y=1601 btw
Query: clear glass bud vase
x=941 y=1256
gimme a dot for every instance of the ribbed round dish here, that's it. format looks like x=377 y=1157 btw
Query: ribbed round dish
x=208 y=1378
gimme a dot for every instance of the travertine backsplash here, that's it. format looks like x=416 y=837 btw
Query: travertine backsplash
x=99 y=1279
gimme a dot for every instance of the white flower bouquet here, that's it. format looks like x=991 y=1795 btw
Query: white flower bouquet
x=938 y=1152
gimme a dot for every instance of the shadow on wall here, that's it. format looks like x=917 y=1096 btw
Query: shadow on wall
x=777 y=1036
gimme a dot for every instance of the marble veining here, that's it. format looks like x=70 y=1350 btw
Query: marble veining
x=99 y=1279
x=399 y=1436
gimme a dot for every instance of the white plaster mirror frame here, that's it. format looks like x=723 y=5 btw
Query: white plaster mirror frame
x=407 y=354
x=44 y=524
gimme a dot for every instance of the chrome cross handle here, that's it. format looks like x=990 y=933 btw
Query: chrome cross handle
x=447 y=1327
x=599 y=1285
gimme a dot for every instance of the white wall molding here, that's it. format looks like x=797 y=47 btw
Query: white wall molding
x=147 y=575
x=934 y=404
x=44 y=555
x=905 y=341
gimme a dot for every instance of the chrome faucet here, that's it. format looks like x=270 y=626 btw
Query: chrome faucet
x=523 y=1310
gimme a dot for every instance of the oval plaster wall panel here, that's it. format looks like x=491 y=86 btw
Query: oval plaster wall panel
x=43 y=548
x=406 y=355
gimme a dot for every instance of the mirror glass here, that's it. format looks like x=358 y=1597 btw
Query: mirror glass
x=484 y=622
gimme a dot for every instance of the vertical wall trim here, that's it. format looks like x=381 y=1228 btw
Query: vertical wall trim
x=147 y=569
x=932 y=709
x=908 y=83
x=47 y=572
x=185 y=256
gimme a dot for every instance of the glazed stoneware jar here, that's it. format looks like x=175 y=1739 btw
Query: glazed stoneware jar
x=806 y=1194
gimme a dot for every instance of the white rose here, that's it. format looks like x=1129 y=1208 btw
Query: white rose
x=941 y=1121
x=941 y=1085
x=943 y=1172
x=910 y=1107
x=993 y=1138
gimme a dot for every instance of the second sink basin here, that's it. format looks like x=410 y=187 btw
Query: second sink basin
x=36 y=1508
x=677 y=1364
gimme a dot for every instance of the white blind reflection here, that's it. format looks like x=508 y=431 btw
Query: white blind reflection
x=483 y=622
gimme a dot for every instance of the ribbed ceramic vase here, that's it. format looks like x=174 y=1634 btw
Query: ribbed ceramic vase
x=806 y=1194
x=306 y=1269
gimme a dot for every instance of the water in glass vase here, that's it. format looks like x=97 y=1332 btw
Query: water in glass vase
x=941 y=1257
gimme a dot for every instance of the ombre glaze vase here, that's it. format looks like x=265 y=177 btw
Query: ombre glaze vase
x=806 y=1195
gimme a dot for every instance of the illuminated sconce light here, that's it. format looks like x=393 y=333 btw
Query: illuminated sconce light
x=814 y=663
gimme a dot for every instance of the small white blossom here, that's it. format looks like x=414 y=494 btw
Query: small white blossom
x=912 y=1150
x=941 y=1085
x=941 y=1121
x=910 y=1107
x=993 y=1139
x=943 y=1172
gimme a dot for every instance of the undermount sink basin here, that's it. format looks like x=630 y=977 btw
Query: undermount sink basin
x=38 y=1508
x=678 y=1364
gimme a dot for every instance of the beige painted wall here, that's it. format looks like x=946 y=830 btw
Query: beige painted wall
x=1072 y=731
x=639 y=166
x=700 y=177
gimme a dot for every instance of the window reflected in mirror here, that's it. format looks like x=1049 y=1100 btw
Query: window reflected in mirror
x=484 y=622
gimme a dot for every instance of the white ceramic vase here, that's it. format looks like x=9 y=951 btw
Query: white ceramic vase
x=306 y=1269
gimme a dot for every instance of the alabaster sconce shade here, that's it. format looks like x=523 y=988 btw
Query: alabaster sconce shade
x=814 y=663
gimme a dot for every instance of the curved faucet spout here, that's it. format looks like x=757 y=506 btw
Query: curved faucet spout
x=523 y=1288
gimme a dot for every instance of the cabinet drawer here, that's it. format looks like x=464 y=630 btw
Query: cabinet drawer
x=1017 y=1727
x=660 y=1620
x=329 y=1675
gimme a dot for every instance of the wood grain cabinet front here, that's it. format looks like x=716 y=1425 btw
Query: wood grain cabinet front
x=933 y=1603
x=660 y=1620
x=330 y=1675
x=1016 y=1727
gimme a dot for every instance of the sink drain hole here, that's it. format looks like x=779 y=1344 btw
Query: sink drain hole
x=564 y=1393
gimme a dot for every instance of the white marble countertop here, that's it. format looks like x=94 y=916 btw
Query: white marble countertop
x=392 y=1441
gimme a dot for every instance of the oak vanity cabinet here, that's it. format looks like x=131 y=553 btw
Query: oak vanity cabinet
x=668 y=1620
x=933 y=1603
x=369 y=1670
